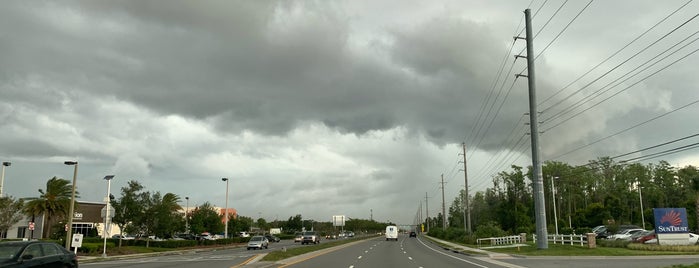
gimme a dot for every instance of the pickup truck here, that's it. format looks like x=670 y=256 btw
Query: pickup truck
x=310 y=237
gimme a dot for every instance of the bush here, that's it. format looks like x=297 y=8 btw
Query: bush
x=613 y=243
x=489 y=229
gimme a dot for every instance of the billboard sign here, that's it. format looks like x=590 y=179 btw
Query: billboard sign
x=339 y=220
x=670 y=220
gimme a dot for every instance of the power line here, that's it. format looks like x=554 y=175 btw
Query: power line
x=627 y=129
x=607 y=87
x=611 y=56
x=623 y=62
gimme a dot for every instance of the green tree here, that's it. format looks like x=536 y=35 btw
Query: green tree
x=239 y=224
x=205 y=218
x=10 y=212
x=127 y=208
x=52 y=202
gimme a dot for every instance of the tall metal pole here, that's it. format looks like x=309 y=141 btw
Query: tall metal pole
x=640 y=200
x=69 y=226
x=427 y=213
x=106 y=214
x=2 y=177
x=444 y=209
x=537 y=177
x=225 y=232
x=553 y=197
x=467 y=206
x=186 y=216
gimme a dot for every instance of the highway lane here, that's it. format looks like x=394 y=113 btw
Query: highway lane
x=406 y=252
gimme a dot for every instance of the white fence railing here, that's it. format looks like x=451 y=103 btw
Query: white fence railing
x=505 y=240
x=562 y=239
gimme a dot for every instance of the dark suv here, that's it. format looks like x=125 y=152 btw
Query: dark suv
x=413 y=234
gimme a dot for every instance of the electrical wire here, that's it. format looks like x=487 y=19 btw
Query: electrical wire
x=611 y=56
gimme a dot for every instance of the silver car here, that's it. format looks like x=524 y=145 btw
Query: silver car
x=258 y=242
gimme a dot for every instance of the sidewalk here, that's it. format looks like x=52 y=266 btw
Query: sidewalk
x=458 y=247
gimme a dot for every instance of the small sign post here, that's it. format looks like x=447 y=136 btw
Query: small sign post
x=77 y=242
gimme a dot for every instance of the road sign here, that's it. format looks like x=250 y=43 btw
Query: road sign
x=77 y=241
x=31 y=226
x=103 y=211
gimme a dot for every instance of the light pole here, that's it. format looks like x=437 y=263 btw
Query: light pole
x=553 y=196
x=186 y=216
x=225 y=231
x=69 y=227
x=2 y=178
x=640 y=200
x=106 y=213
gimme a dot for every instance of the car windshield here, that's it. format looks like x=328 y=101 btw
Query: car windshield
x=256 y=238
x=9 y=251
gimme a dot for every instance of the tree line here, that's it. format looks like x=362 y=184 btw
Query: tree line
x=150 y=213
x=602 y=192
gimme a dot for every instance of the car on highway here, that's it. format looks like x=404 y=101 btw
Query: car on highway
x=413 y=234
x=258 y=242
x=298 y=238
x=272 y=238
x=310 y=237
x=36 y=254
x=392 y=232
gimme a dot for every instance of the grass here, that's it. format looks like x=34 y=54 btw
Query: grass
x=280 y=255
x=568 y=250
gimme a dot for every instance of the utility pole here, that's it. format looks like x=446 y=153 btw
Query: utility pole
x=444 y=210
x=427 y=213
x=467 y=207
x=538 y=181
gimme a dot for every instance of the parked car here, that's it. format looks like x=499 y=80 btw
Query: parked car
x=625 y=234
x=123 y=237
x=258 y=242
x=642 y=237
x=36 y=254
x=272 y=238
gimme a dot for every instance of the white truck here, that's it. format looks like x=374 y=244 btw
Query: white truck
x=391 y=233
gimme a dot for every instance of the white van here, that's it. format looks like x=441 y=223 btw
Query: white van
x=391 y=233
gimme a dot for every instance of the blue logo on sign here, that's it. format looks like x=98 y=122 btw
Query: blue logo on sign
x=670 y=220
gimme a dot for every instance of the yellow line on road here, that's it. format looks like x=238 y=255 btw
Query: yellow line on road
x=245 y=262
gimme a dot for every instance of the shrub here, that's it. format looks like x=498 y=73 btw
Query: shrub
x=489 y=229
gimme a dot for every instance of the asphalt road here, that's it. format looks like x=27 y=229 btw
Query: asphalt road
x=406 y=252
x=377 y=252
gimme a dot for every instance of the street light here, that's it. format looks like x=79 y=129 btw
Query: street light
x=2 y=178
x=225 y=231
x=640 y=200
x=553 y=196
x=186 y=217
x=69 y=227
x=106 y=213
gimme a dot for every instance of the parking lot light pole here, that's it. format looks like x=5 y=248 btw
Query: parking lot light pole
x=2 y=177
x=186 y=216
x=106 y=213
x=69 y=226
x=225 y=231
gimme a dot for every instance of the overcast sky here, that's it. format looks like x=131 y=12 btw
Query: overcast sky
x=325 y=108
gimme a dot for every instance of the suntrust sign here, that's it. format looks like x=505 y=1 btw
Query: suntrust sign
x=670 y=220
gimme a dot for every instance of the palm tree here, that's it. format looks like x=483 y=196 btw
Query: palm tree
x=53 y=202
